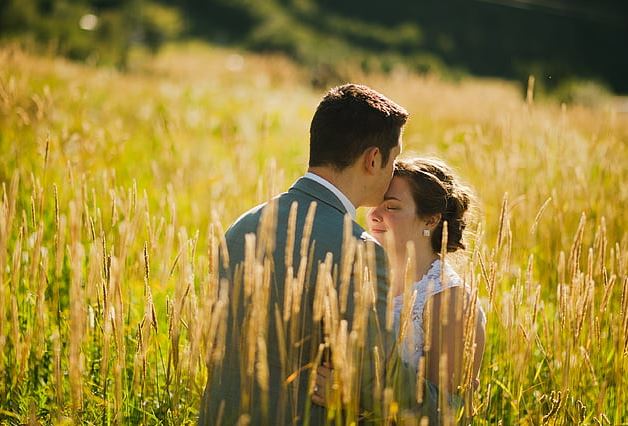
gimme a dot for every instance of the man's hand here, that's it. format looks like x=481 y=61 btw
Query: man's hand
x=323 y=383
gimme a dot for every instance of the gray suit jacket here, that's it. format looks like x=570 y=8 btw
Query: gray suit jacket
x=229 y=393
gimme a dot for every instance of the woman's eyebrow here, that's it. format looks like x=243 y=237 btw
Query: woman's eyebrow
x=389 y=197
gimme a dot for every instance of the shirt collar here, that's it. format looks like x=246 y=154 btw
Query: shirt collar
x=348 y=205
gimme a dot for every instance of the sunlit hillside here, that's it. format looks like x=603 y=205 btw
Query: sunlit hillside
x=117 y=186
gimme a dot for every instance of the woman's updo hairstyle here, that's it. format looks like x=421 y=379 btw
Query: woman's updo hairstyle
x=435 y=189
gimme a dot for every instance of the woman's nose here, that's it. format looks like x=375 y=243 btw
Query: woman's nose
x=374 y=215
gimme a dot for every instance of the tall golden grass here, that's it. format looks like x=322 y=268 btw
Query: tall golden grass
x=116 y=189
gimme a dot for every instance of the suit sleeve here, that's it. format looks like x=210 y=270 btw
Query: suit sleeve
x=380 y=353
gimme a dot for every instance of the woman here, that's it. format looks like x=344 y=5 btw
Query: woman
x=423 y=195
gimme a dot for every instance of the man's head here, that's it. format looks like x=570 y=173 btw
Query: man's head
x=349 y=120
x=356 y=131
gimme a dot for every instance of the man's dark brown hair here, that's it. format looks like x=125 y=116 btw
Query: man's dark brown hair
x=350 y=119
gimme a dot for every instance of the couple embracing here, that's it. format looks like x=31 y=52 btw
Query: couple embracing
x=290 y=259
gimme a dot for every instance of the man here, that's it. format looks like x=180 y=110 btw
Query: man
x=275 y=251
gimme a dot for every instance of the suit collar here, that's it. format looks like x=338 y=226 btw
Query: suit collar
x=318 y=191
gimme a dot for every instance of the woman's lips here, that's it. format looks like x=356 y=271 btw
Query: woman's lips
x=377 y=231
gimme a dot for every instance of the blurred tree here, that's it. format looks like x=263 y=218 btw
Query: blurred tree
x=115 y=26
x=557 y=40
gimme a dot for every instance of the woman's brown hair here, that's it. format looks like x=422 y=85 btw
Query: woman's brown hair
x=436 y=190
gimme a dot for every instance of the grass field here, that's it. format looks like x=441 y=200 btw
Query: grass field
x=116 y=187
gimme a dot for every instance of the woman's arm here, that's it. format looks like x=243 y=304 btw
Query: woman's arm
x=480 y=342
x=444 y=322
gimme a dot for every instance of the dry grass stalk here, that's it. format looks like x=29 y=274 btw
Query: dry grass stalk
x=36 y=252
x=77 y=310
x=250 y=242
x=469 y=337
x=149 y=321
x=392 y=279
x=370 y=277
x=94 y=274
x=379 y=373
x=530 y=91
x=489 y=275
x=262 y=374
x=290 y=235
x=288 y=293
x=582 y=306
x=445 y=306
x=317 y=361
x=41 y=311
x=305 y=260
x=167 y=251
x=224 y=252
x=194 y=332
x=537 y=218
x=600 y=246
x=427 y=319
x=13 y=291
x=609 y=284
x=573 y=263
x=361 y=296
x=502 y=222
x=61 y=227
x=211 y=305
x=216 y=336
x=281 y=343
x=624 y=317
x=307 y=230
x=209 y=292
x=406 y=332
x=4 y=239
x=346 y=261
x=350 y=387
x=266 y=231
x=562 y=291
x=389 y=406
x=420 y=381
x=257 y=276
x=318 y=307
x=57 y=373
x=289 y=264
x=182 y=289
x=117 y=319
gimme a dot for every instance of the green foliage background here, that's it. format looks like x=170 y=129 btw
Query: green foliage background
x=557 y=41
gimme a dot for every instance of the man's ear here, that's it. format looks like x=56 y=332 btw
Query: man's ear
x=372 y=159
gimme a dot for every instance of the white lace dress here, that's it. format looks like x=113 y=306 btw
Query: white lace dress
x=412 y=347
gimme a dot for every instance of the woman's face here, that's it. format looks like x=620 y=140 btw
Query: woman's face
x=396 y=215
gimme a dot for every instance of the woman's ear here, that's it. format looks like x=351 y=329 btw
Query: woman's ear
x=372 y=159
x=433 y=220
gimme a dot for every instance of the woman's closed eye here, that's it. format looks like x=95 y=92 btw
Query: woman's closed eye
x=390 y=207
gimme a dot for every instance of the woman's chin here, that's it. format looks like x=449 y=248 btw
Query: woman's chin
x=379 y=236
x=382 y=238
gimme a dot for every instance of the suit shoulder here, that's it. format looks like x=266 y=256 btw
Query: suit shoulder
x=246 y=220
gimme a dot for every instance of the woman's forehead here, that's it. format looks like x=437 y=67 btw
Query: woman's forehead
x=398 y=189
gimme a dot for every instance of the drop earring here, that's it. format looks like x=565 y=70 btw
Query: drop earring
x=426 y=233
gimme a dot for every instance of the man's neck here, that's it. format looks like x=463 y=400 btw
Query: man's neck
x=344 y=180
